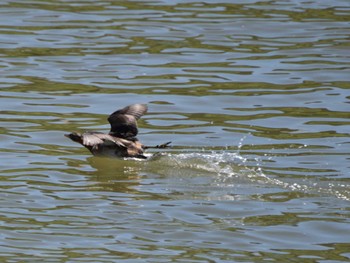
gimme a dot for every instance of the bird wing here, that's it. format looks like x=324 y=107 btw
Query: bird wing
x=124 y=121
x=94 y=139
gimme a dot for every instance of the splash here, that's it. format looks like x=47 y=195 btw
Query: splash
x=231 y=168
x=225 y=166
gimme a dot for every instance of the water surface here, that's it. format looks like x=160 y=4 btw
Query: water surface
x=254 y=96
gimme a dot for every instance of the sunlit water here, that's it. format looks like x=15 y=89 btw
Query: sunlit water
x=254 y=96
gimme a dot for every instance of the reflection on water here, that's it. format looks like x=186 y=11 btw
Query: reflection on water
x=254 y=96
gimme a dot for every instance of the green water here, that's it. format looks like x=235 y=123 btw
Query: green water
x=254 y=96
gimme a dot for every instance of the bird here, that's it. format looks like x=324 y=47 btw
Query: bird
x=121 y=141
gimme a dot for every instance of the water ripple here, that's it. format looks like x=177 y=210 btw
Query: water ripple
x=254 y=96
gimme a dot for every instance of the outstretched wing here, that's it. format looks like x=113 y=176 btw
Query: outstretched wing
x=124 y=122
x=94 y=139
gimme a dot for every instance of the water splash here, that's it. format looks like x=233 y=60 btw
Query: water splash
x=231 y=168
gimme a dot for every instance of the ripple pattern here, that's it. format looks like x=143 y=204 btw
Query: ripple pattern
x=254 y=96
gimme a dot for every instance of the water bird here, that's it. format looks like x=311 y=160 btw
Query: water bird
x=121 y=141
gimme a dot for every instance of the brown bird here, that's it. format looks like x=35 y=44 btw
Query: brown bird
x=121 y=141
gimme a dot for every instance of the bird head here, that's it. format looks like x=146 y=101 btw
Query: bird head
x=74 y=136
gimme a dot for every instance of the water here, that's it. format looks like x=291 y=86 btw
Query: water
x=254 y=96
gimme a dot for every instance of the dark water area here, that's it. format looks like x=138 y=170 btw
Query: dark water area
x=254 y=95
